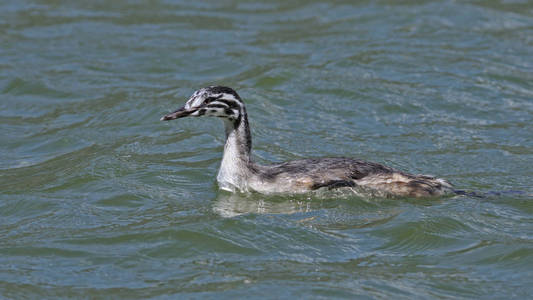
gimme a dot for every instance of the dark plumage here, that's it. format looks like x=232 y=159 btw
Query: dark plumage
x=239 y=172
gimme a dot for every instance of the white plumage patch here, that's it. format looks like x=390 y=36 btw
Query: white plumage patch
x=197 y=101
x=218 y=103
x=216 y=112
x=230 y=97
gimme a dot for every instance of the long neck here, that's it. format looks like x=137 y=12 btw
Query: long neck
x=236 y=160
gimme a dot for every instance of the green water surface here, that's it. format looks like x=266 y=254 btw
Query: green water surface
x=99 y=199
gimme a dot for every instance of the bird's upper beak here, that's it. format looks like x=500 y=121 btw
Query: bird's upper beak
x=180 y=113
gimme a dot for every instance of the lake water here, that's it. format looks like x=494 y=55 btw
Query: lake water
x=99 y=199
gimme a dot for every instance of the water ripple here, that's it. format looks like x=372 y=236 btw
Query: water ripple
x=99 y=199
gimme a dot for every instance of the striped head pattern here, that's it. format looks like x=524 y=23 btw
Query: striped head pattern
x=214 y=101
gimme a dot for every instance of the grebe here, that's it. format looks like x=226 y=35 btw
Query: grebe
x=238 y=172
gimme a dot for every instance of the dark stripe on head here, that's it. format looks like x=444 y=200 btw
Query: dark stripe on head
x=211 y=99
x=217 y=106
x=230 y=103
x=223 y=90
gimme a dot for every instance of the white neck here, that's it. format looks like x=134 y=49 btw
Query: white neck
x=236 y=160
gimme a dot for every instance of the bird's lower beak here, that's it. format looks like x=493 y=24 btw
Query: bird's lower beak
x=180 y=113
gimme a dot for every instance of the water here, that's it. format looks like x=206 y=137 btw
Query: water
x=99 y=199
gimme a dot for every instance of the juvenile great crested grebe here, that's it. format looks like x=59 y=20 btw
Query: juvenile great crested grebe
x=239 y=172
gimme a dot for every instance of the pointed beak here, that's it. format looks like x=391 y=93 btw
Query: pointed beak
x=180 y=113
